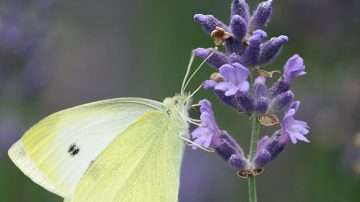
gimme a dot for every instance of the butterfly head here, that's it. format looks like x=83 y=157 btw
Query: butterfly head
x=180 y=103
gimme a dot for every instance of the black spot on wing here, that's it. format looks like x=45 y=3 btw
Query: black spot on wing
x=73 y=149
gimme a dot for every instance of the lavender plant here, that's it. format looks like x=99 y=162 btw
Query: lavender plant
x=240 y=84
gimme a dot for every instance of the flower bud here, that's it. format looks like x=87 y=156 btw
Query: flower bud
x=281 y=101
x=261 y=15
x=235 y=46
x=261 y=105
x=271 y=49
x=238 y=27
x=241 y=8
x=246 y=102
x=209 y=23
x=278 y=87
x=268 y=149
x=238 y=162
x=216 y=60
x=252 y=52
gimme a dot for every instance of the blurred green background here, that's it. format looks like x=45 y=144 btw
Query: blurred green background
x=57 y=54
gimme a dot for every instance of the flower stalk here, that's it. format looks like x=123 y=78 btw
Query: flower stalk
x=255 y=131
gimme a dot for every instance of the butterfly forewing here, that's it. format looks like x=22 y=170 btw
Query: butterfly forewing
x=57 y=151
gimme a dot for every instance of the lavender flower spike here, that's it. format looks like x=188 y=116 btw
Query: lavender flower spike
x=241 y=8
x=271 y=49
x=217 y=59
x=291 y=128
x=236 y=79
x=261 y=15
x=294 y=67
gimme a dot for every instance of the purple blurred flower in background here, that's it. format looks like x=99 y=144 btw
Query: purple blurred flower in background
x=24 y=30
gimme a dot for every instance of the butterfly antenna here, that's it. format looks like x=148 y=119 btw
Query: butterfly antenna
x=187 y=71
x=198 y=68
x=195 y=144
x=193 y=93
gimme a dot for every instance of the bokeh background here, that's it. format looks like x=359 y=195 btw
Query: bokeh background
x=57 y=54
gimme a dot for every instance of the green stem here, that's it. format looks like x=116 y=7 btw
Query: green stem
x=255 y=130
x=252 y=189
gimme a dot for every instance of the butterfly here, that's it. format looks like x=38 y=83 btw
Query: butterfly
x=122 y=149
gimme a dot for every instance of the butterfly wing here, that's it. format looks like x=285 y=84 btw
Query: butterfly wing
x=57 y=151
x=143 y=164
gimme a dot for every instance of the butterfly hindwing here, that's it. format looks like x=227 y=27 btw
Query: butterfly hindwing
x=143 y=164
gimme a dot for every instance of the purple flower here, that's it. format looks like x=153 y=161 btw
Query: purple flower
x=294 y=67
x=208 y=127
x=235 y=79
x=208 y=135
x=291 y=128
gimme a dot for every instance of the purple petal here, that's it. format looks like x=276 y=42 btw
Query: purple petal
x=242 y=73
x=244 y=86
x=209 y=84
x=228 y=71
x=294 y=67
x=223 y=86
